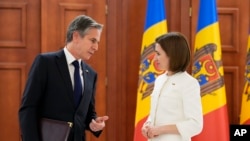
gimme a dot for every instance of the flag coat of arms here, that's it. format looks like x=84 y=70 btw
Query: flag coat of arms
x=208 y=70
x=155 y=25
x=245 y=105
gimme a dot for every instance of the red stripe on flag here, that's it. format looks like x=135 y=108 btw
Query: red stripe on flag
x=138 y=134
x=247 y=122
x=212 y=130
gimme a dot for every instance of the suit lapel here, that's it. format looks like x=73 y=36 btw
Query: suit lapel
x=63 y=69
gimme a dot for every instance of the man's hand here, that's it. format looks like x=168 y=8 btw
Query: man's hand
x=98 y=124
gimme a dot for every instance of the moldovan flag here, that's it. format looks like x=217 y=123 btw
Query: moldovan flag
x=208 y=70
x=155 y=25
x=245 y=105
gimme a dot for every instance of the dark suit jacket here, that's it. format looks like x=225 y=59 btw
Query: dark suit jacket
x=49 y=93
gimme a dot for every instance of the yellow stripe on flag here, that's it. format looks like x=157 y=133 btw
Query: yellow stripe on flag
x=212 y=102
x=149 y=36
x=245 y=104
x=142 y=107
x=217 y=98
x=210 y=34
x=155 y=25
x=208 y=70
x=151 y=33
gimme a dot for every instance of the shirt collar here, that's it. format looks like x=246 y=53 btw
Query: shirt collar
x=69 y=57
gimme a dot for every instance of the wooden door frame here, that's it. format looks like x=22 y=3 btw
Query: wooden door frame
x=116 y=54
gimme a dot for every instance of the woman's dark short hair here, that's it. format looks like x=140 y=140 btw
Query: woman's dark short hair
x=81 y=24
x=177 y=49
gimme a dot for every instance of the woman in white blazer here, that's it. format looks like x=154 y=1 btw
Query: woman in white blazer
x=176 y=110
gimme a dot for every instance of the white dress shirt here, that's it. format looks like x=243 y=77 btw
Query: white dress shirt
x=70 y=58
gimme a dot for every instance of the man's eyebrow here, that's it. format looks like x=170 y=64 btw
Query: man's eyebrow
x=94 y=40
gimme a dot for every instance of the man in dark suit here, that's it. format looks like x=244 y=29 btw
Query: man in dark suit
x=49 y=92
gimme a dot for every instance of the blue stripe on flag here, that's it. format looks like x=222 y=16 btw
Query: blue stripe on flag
x=152 y=18
x=207 y=8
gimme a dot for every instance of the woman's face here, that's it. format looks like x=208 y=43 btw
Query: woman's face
x=161 y=58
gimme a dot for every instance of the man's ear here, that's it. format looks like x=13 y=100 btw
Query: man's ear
x=76 y=36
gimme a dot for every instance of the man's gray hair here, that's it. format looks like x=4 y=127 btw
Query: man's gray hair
x=81 y=24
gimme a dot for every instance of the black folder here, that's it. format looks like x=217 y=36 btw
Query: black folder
x=54 y=130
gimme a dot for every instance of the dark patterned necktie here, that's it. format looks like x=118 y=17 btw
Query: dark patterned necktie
x=77 y=84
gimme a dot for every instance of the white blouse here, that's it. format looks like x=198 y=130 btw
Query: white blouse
x=176 y=100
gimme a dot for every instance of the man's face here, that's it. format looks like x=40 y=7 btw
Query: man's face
x=86 y=46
